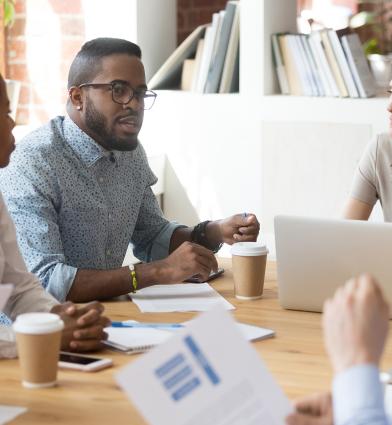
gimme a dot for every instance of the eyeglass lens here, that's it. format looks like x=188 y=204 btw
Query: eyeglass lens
x=123 y=93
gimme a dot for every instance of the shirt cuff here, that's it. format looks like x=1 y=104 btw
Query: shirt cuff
x=357 y=392
x=61 y=280
x=160 y=248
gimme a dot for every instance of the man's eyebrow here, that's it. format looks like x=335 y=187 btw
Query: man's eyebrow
x=141 y=86
x=120 y=81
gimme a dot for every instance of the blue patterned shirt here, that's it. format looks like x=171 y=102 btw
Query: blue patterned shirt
x=77 y=205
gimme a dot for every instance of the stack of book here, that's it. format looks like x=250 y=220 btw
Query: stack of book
x=207 y=61
x=322 y=64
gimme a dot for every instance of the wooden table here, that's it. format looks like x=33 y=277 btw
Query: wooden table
x=296 y=357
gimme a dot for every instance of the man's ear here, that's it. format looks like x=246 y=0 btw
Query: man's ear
x=76 y=98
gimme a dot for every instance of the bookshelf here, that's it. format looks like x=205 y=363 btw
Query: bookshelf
x=258 y=150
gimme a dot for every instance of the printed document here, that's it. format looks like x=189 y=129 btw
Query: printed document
x=179 y=297
x=205 y=374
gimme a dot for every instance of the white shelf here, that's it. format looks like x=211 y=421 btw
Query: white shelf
x=370 y=111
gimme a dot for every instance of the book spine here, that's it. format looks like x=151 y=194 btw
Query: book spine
x=279 y=65
x=291 y=70
x=334 y=65
x=342 y=61
x=325 y=64
x=215 y=71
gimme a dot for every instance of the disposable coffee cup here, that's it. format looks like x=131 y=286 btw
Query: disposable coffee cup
x=249 y=262
x=38 y=337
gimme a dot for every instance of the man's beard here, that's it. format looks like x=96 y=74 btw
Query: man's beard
x=97 y=123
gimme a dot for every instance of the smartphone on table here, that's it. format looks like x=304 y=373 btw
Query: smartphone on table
x=213 y=275
x=83 y=363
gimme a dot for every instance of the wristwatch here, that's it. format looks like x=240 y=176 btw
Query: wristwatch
x=199 y=236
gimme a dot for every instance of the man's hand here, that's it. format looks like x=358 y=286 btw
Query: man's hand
x=83 y=326
x=187 y=260
x=237 y=228
x=356 y=324
x=313 y=410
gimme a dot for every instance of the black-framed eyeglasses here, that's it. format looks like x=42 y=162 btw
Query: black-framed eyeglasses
x=123 y=93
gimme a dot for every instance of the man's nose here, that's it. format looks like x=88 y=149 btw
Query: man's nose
x=134 y=103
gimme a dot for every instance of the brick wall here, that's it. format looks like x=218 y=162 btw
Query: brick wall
x=40 y=46
x=191 y=13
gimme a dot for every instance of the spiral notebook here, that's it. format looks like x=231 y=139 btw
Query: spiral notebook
x=138 y=340
x=135 y=340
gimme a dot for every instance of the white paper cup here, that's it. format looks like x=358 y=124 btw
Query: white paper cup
x=249 y=262
x=38 y=337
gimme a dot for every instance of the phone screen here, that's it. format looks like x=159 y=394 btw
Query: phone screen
x=70 y=358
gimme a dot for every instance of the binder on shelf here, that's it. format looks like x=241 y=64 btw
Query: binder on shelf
x=209 y=41
x=359 y=67
x=315 y=75
x=218 y=59
x=343 y=64
x=188 y=69
x=198 y=56
x=279 y=65
x=343 y=91
x=169 y=74
x=230 y=73
x=310 y=85
x=292 y=72
x=326 y=77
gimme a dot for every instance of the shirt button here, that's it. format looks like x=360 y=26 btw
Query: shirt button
x=101 y=179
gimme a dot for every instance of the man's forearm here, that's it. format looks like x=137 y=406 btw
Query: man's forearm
x=183 y=234
x=90 y=285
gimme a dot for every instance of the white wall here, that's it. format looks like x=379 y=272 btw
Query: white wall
x=151 y=24
x=290 y=156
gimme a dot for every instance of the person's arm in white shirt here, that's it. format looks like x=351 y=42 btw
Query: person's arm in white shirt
x=355 y=324
x=358 y=397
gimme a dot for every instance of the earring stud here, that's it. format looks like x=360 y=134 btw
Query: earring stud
x=78 y=107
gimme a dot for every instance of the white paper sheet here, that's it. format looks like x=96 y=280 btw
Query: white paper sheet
x=254 y=333
x=8 y=413
x=199 y=378
x=179 y=297
x=5 y=292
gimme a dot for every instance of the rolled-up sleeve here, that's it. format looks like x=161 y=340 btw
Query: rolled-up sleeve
x=153 y=232
x=32 y=199
x=364 y=187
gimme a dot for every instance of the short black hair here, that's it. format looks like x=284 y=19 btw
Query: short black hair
x=87 y=62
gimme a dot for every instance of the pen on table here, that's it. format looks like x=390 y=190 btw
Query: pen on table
x=146 y=325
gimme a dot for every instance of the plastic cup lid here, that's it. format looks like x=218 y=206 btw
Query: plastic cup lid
x=38 y=323
x=249 y=249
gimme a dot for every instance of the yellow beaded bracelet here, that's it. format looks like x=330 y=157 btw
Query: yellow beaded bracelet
x=133 y=275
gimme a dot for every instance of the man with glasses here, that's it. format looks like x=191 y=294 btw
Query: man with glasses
x=79 y=190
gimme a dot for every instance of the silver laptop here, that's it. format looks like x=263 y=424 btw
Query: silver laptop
x=316 y=256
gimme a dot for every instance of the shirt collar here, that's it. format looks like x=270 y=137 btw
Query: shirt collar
x=88 y=150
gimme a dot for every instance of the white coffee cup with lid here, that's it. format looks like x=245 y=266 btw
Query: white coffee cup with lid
x=249 y=263
x=38 y=337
